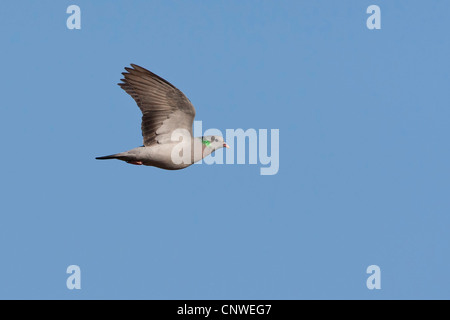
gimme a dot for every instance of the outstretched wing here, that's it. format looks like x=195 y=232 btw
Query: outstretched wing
x=164 y=107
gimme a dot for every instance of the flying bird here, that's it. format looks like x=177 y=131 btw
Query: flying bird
x=167 y=118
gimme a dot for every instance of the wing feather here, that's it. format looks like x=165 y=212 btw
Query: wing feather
x=164 y=108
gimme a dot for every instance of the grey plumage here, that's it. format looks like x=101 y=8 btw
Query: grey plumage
x=164 y=109
x=158 y=100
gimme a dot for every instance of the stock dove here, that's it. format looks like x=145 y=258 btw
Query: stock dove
x=167 y=118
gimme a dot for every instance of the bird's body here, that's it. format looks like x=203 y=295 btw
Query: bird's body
x=160 y=155
x=167 y=117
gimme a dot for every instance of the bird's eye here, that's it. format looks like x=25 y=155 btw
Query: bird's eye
x=213 y=138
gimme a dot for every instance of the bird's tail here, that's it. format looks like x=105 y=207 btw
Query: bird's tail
x=113 y=156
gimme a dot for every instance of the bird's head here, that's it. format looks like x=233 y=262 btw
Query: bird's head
x=213 y=142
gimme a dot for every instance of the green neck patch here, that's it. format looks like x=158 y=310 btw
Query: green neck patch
x=206 y=143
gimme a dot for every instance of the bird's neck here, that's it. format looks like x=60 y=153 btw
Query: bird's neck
x=201 y=149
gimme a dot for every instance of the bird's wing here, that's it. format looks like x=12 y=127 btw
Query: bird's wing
x=164 y=107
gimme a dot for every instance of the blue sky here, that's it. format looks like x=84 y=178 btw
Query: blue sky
x=364 y=154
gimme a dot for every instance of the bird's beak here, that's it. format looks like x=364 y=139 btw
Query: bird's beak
x=226 y=146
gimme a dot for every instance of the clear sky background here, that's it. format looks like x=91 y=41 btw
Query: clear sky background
x=364 y=154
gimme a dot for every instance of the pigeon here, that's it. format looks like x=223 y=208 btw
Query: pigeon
x=167 y=118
